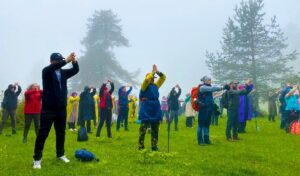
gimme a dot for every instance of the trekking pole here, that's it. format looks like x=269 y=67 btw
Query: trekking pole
x=168 y=135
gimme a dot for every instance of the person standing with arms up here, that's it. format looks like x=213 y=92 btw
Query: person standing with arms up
x=32 y=109
x=9 y=106
x=206 y=103
x=123 y=106
x=106 y=107
x=233 y=95
x=54 y=102
x=87 y=107
x=150 y=113
x=173 y=102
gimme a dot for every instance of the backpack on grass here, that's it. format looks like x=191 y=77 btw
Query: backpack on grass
x=85 y=155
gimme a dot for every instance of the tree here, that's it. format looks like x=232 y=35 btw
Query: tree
x=251 y=49
x=99 y=63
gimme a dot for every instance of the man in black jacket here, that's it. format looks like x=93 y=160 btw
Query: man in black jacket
x=54 y=102
x=9 y=106
x=233 y=107
x=173 y=102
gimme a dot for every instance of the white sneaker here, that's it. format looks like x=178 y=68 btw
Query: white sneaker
x=37 y=164
x=64 y=159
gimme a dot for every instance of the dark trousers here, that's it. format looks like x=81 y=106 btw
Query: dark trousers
x=12 y=115
x=242 y=127
x=272 y=118
x=214 y=119
x=48 y=117
x=174 y=116
x=87 y=124
x=28 y=120
x=154 y=133
x=166 y=115
x=123 y=116
x=105 y=116
x=283 y=119
x=189 y=121
x=232 y=123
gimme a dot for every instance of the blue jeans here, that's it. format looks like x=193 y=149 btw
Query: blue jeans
x=204 y=119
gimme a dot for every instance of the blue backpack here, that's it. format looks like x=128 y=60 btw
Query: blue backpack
x=82 y=134
x=84 y=155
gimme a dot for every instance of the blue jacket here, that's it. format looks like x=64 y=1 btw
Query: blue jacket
x=150 y=106
x=123 y=97
x=205 y=96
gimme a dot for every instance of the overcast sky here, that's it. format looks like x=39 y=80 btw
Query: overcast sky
x=172 y=34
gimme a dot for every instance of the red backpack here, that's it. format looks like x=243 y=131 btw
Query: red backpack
x=194 y=97
x=295 y=128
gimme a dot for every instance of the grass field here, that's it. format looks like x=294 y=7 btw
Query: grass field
x=269 y=151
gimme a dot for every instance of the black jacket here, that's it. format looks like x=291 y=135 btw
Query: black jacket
x=55 y=94
x=173 y=100
x=234 y=97
x=87 y=105
x=10 y=100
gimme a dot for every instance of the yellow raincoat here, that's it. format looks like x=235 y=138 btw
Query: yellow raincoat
x=71 y=101
x=133 y=109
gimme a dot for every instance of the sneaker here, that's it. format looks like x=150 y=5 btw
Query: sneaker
x=64 y=159
x=229 y=139
x=155 y=149
x=37 y=164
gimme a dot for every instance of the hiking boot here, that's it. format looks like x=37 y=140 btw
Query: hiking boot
x=156 y=149
x=236 y=138
x=207 y=141
x=141 y=148
x=37 y=164
x=24 y=140
x=64 y=159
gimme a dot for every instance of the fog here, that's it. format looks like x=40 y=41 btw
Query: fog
x=172 y=34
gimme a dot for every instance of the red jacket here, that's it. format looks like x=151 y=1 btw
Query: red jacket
x=33 y=101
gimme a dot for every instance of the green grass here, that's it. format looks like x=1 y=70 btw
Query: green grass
x=269 y=151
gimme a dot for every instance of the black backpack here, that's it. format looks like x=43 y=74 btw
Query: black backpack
x=225 y=100
x=82 y=134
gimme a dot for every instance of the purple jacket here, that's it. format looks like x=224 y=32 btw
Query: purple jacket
x=164 y=105
x=245 y=109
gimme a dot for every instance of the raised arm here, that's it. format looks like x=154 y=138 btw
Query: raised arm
x=206 y=88
x=19 y=90
x=147 y=81
x=161 y=80
x=72 y=71
x=112 y=87
x=93 y=93
x=179 y=92
x=102 y=90
x=295 y=88
x=129 y=91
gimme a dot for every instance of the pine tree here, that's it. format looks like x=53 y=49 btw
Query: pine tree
x=251 y=49
x=99 y=63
